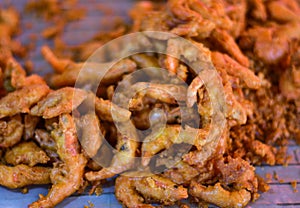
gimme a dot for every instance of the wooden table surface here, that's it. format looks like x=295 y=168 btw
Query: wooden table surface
x=280 y=194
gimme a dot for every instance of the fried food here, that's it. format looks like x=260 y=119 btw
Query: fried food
x=30 y=123
x=124 y=158
x=20 y=101
x=27 y=153
x=58 y=102
x=11 y=131
x=68 y=178
x=91 y=137
x=23 y=175
x=219 y=196
x=156 y=188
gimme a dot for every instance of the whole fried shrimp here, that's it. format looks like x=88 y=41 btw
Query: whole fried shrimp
x=219 y=196
x=67 y=179
x=21 y=100
x=156 y=188
x=233 y=68
x=23 y=175
x=27 y=153
x=11 y=131
x=172 y=134
x=91 y=134
x=59 y=102
x=68 y=71
x=123 y=159
x=167 y=93
x=227 y=43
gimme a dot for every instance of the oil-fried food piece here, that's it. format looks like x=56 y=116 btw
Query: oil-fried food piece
x=58 y=102
x=126 y=193
x=156 y=188
x=289 y=83
x=258 y=9
x=224 y=40
x=11 y=131
x=105 y=109
x=68 y=71
x=266 y=152
x=45 y=141
x=15 y=76
x=282 y=12
x=192 y=90
x=219 y=196
x=235 y=69
x=167 y=93
x=23 y=175
x=173 y=134
x=30 y=123
x=67 y=179
x=123 y=160
x=181 y=173
x=21 y=100
x=27 y=153
x=91 y=137
x=238 y=173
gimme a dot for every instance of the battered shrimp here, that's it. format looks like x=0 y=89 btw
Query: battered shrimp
x=192 y=90
x=11 y=131
x=225 y=41
x=281 y=12
x=181 y=173
x=27 y=153
x=30 y=123
x=105 y=108
x=15 y=76
x=235 y=69
x=21 y=100
x=219 y=196
x=156 y=188
x=181 y=10
x=58 y=102
x=167 y=93
x=67 y=179
x=91 y=134
x=68 y=71
x=123 y=160
x=23 y=175
x=172 y=134
x=258 y=9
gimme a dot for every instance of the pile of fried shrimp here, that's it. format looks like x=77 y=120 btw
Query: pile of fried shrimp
x=254 y=45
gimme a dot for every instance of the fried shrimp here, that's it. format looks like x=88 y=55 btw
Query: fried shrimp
x=21 y=100
x=11 y=131
x=219 y=196
x=67 y=179
x=59 y=102
x=124 y=158
x=133 y=191
x=27 y=153
x=91 y=134
x=23 y=175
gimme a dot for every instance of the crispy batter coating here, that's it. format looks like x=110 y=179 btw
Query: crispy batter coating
x=235 y=69
x=59 y=102
x=27 y=153
x=123 y=159
x=11 y=131
x=219 y=196
x=237 y=173
x=91 y=137
x=230 y=46
x=30 y=123
x=23 y=175
x=21 y=100
x=156 y=188
x=105 y=109
x=67 y=179
x=45 y=141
